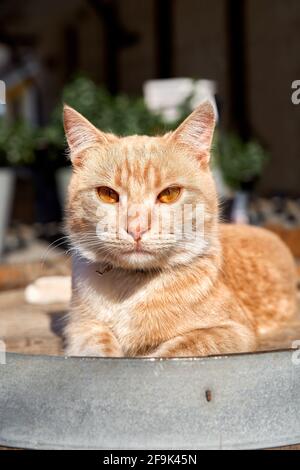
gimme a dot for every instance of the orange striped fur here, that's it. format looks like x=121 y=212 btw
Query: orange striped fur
x=156 y=295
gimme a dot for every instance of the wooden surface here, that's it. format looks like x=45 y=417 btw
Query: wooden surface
x=25 y=328
x=30 y=329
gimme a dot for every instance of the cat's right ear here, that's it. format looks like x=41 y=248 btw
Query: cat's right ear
x=197 y=131
x=81 y=134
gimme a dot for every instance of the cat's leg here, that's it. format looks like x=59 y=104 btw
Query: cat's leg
x=230 y=338
x=91 y=338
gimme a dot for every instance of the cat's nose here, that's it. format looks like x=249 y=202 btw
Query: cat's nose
x=136 y=233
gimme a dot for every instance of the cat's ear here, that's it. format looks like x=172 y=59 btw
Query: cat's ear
x=197 y=130
x=81 y=134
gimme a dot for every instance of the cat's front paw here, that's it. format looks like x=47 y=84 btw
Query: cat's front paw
x=171 y=348
x=104 y=344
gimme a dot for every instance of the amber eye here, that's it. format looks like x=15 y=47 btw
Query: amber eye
x=169 y=195
x=107 y=195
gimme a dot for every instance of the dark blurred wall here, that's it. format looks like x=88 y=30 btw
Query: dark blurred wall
x=200 y=43
x=273 y=64
x=137 y=63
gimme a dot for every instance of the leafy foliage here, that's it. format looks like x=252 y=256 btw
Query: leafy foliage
x=17 y=143
x=119 y=114
x=240 y=162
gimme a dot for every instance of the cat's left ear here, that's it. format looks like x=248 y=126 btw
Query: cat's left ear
x=197 y=131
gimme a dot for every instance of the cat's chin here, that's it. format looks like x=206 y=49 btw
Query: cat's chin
x=142 y=260
x=145 y=260
x=135 y=260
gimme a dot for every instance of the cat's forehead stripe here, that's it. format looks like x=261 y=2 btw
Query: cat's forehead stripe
x=137 y=167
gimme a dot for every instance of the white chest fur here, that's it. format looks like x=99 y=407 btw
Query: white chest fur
x=142 y=305
x=112 y=295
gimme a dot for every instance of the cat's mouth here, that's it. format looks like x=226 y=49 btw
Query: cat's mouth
x=137 y=251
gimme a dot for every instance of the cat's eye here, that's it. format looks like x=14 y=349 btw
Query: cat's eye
x=169 y=195
x=108 y=195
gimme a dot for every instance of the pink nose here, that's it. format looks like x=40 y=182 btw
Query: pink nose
x=136 y=233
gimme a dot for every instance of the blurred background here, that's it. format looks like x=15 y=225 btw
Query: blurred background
x=135 y=66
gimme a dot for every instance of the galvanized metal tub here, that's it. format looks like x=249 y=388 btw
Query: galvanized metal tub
x=228 y=402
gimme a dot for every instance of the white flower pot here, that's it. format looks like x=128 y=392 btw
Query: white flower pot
x=7 y=181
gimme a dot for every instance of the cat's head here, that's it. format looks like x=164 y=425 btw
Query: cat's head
x=142 y=202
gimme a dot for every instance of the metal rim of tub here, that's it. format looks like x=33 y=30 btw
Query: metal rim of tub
x=242 y=401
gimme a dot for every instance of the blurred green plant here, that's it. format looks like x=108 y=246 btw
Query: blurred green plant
x=241 y=163
x=119 y=114
x=17 y=143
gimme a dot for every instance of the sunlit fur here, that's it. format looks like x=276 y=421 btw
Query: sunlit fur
x=166 y=295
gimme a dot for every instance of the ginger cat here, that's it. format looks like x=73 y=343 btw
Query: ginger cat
x=148 y=280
